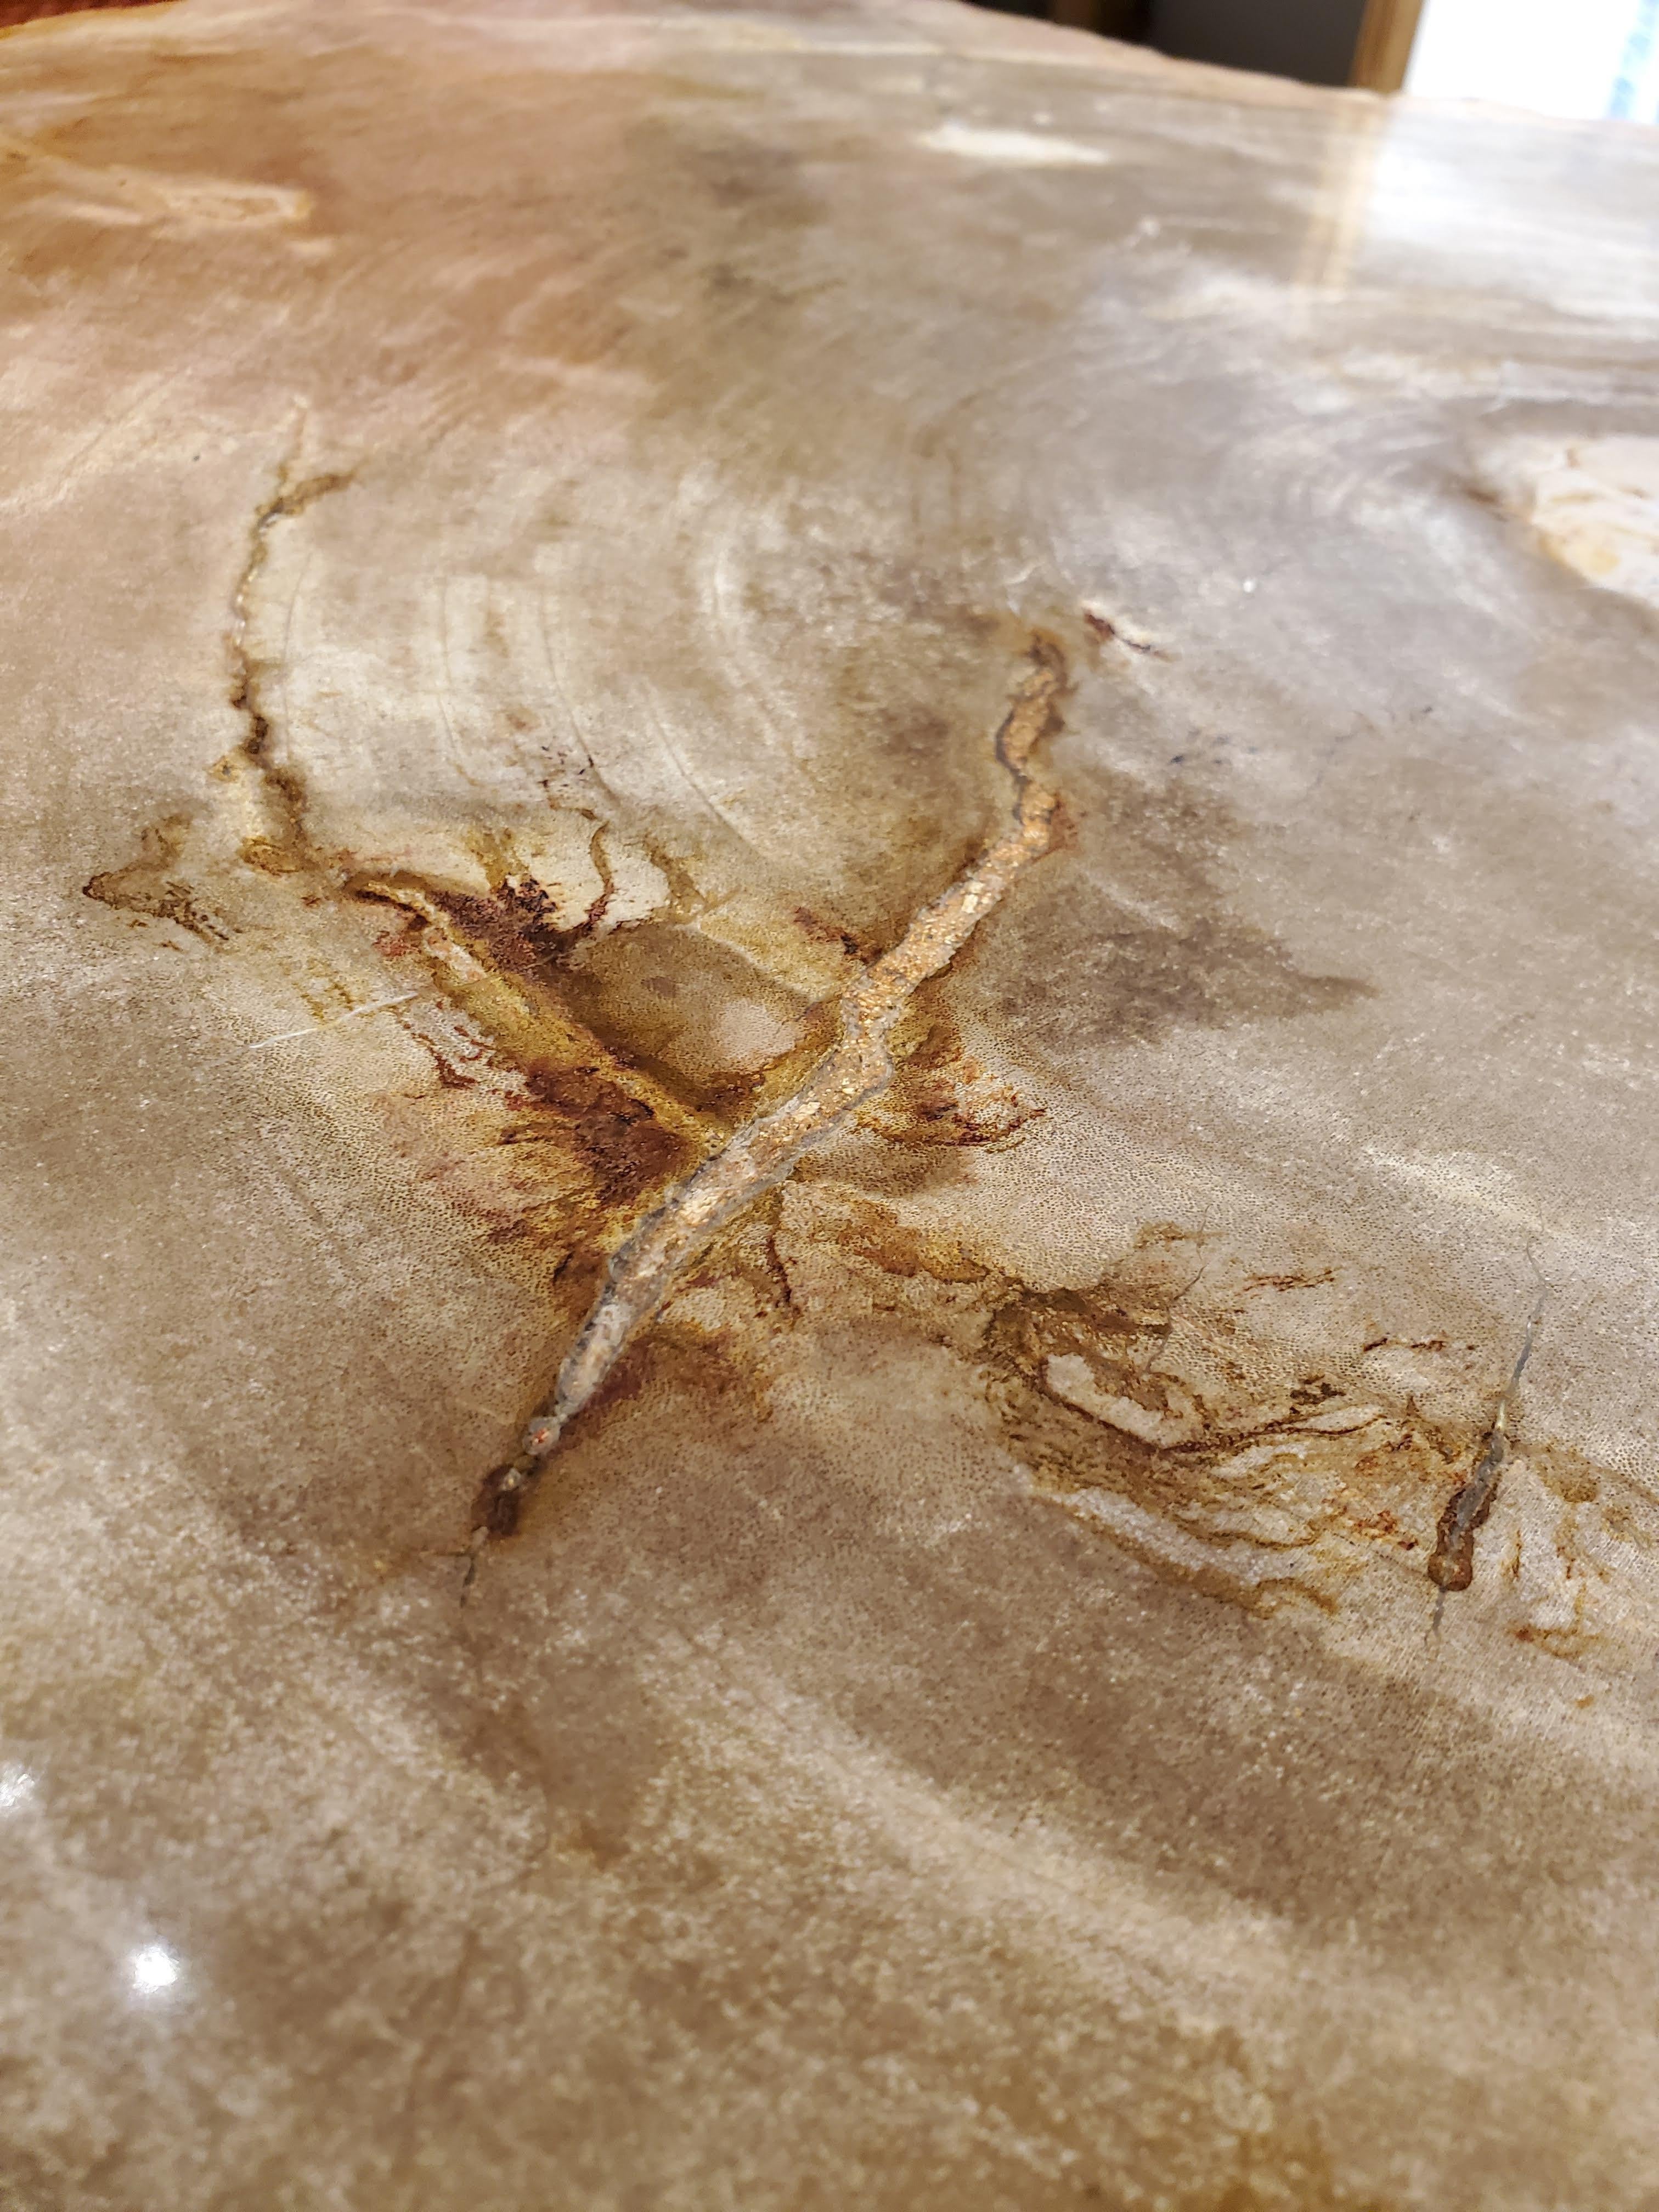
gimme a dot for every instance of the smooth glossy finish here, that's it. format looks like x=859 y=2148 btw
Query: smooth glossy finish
x=523 y=526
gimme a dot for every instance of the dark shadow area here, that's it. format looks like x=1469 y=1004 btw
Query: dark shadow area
x=1113 y=19
x=1314 y=41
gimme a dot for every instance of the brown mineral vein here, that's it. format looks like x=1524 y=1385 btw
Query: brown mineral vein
x=855 y=1069
x=289 y=498
x=279 y=846
x=1452 y=1566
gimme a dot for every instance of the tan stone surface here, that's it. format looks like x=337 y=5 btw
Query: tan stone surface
x=522 y=525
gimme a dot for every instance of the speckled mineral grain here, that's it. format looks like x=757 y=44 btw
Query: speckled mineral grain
x=831 y=1234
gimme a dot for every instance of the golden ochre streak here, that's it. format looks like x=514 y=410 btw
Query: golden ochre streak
x=857 y=1067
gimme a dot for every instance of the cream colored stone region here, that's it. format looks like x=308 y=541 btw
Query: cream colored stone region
x=1595 y=504
x=847 y=718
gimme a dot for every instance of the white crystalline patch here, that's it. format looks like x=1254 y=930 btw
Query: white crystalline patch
x=1250 y=1564
x=1341 y=1420
x=1068 y=1376
x=405 y=846
x=1594 y=504
x=1030 y=149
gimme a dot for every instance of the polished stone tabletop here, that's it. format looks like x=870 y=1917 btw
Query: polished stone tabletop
x=831 y=983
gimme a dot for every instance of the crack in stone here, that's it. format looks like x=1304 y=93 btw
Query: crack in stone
x=855 y=1069
x=1452 y=1566
x=282 y=851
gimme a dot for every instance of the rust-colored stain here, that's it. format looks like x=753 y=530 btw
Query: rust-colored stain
x=13 y=12
x=586 y=1102
x=853 y=1071
x=151 y=884
x=583 y=1075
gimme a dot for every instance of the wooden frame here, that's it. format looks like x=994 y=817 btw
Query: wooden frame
x=1384 y=48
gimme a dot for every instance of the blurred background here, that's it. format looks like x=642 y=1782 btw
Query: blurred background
x=1581 y=58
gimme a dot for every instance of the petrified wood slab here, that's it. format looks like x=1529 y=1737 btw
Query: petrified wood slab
x=831 y=1135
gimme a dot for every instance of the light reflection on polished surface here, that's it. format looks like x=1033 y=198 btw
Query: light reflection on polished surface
x=152 y=1968
x=16 y=1787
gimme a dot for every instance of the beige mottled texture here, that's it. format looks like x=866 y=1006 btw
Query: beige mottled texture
x=522 y=524
x=1594 y=504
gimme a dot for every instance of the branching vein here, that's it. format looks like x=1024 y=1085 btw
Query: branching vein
x=854 y=1069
